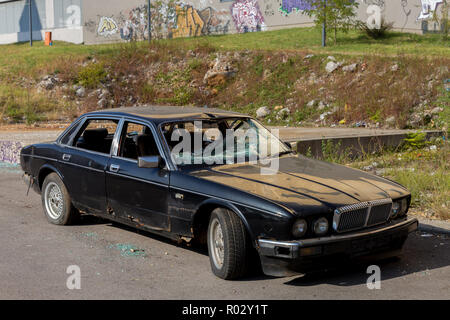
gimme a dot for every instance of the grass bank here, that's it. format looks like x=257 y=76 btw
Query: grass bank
x=422 y=167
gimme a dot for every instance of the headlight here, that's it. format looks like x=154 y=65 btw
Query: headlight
x=404 y=207
x=396 y=207
x=399 y=208
x=299 y=228
x=321 y=226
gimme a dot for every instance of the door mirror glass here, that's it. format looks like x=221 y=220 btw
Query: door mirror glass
x=150 y=162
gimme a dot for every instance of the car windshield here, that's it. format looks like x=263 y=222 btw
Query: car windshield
x=221 y=141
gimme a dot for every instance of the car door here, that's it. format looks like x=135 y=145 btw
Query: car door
x=83 y=163
x=137 y=195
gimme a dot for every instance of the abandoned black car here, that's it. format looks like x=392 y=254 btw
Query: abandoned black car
x=221 y=179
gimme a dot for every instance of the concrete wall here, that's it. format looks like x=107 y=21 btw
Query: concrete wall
x=112 y=20
x=62 y=17
x=100 y=21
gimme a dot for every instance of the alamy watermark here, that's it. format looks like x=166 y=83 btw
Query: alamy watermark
x=374 y=280
x=252 y=144
x=74 y=280
x=374 y=19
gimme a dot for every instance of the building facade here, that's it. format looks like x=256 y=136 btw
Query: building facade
x=100 y=21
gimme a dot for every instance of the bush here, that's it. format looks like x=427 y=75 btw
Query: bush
x=415 y=140
x=375 y=33
x=91 y=75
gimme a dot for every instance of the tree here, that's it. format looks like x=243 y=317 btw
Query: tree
x=334 y=14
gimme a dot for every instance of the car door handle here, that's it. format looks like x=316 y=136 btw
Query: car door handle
x=114 y=168
x=66 y=157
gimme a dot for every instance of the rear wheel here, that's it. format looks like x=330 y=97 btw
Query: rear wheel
x=227 y=244
x=56 y=201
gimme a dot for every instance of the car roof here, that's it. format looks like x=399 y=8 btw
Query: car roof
x=159 y=114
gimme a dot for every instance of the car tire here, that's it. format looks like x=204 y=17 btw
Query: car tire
x=227 y=244
x=56 y=201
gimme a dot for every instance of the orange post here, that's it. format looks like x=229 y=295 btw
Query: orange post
x=48 y=38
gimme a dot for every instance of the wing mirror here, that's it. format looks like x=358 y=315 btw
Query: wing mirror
x=151 y=162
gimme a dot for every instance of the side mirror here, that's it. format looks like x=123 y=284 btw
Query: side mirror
x=150 y=162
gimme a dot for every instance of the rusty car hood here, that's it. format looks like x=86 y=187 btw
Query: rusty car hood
x=304 y=181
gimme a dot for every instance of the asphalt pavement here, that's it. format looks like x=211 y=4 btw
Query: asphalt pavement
x=116 y=262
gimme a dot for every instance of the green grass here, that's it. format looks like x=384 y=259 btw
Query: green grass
x=20 y=59
x=424 y=171
x=310 y=39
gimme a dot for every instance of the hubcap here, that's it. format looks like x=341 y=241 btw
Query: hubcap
x=54 y=202
x=216 y=243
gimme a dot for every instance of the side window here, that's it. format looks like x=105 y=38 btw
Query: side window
x=137 y=141
x=96 y=135
x=68 y=135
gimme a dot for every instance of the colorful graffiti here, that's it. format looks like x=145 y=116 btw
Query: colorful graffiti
x=247 y=16
x=288 y=6
x=107 y=27
x=134 y=24
x=217 y=22
x=428 y=9
x=189 y=22
x=192 y=22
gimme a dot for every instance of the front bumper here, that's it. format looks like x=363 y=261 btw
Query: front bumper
x=285 y=258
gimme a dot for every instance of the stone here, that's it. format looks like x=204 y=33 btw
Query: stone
x=47 y=84
x=220 y=71
x=436 y=110
x=311 y=104
x=104 y=94
x=81 y=92
x=217 y=78
x=331 y=58
x=395 y=67
x=331 y=66
x=283 y=113
x=102 y=103
x=309 y=56
x=391 y=121
x=350 y=67
x=321 y=105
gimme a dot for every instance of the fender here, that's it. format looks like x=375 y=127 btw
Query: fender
x=50 y=168
x=225 y=204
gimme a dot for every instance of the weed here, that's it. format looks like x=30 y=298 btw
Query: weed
x=91 y=75
x=415 y=140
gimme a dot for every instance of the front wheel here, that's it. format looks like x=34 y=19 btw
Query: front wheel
x=227 y=245
x=56 y=201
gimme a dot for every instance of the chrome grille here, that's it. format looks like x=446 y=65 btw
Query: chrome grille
x=360 y=215
x=353 y=219
x=379 y=213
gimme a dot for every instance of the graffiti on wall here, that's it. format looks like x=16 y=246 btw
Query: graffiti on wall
x=134 y=24
x=428 y=9
x=268 y=8
x=217 y=22
x=247 y=16
x=288 y=6
x=406 y=12
x=379 y=3
x=107 y=27
x=191 y=22
x=131 y=25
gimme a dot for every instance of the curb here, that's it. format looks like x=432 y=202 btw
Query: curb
x=433 y=226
